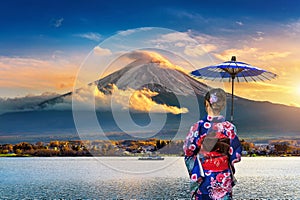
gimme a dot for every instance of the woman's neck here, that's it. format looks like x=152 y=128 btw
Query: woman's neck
x=211 y=113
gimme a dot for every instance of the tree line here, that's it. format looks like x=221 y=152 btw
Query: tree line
x=84 y=148
x=127 y=148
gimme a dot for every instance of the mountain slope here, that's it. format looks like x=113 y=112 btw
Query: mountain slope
x=154 y=76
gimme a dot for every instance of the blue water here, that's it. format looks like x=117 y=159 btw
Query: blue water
x=128 y=178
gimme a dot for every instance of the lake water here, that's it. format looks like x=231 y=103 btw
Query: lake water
x=129 y=178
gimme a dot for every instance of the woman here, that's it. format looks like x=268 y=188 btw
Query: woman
x=211 y=148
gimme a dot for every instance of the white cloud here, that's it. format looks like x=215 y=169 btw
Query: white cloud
x=127 y=32
x=90 y=36
x=136 y=100
x=199 y=50
x=86 y=97
x=194 y=51
x=28 y=102
x=101 y=51
x=90 y=97
x=57 y=54
x=131 y=31
x=179 y=44
x=239 y=53
x=258 y=36
x=293 y=28
x=193 y=17
x=260 y=33
x=176 y=37
x=202 y=38
x=250 y=53
x=210 y=47
x=239 y=23
x=58 y=22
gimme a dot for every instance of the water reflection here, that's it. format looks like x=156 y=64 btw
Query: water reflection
x=86 y=178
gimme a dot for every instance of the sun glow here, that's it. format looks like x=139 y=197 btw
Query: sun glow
x=298 y=89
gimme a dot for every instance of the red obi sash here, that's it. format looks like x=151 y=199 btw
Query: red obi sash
x=215 y=162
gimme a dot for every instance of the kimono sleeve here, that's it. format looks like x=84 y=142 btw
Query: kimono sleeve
x=235 y=149
x=191 y=149
x=190 y=144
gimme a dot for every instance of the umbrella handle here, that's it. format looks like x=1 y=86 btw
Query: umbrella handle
x=232 y=89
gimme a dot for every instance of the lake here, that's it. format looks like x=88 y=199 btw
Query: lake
x=129 y=178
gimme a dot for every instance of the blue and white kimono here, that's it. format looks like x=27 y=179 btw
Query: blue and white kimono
x=211 y=148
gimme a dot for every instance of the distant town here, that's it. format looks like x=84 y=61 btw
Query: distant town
x=137 y=148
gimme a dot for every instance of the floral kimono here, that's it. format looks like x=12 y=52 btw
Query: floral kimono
x=211 y=148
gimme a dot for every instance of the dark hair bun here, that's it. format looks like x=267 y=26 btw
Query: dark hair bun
x=217 y=99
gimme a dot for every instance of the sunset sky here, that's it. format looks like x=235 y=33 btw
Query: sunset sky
x=43 y=43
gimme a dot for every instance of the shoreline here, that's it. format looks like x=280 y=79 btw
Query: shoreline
x=136 y=148
x=127 y=156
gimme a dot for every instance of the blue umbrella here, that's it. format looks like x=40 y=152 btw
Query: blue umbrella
x=231 y=71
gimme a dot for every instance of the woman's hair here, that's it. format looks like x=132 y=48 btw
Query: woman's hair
x=217 y=99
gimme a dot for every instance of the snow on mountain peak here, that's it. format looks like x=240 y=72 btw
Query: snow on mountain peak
x=154 y=57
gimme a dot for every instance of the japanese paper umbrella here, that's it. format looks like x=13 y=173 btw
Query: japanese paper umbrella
x=231 y=71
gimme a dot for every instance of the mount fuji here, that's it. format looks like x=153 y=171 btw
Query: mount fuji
x=152 y=82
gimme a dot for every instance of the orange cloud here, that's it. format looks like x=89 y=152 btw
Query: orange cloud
x=138 y=100
x=141 y=100
x=273 y=55
x=37 y=74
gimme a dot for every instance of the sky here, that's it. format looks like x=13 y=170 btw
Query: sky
x=43 y=43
